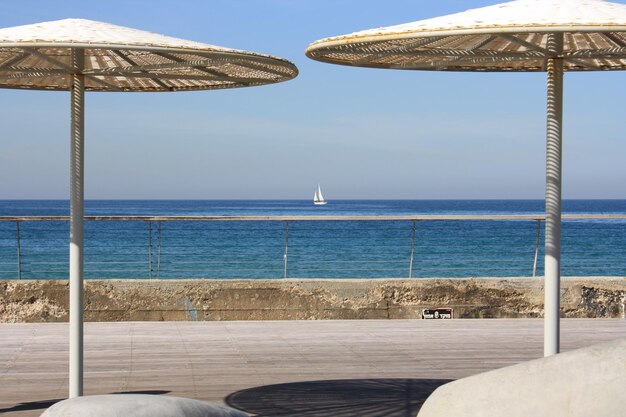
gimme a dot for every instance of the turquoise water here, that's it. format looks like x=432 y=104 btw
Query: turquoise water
x=322 y=249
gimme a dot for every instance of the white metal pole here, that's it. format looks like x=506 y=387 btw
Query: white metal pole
x=553 y=196
x=77 y=91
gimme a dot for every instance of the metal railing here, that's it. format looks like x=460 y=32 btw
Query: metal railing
x=310 y=246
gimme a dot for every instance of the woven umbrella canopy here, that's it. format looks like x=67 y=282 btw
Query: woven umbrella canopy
x=523 y=35
x=82 y=55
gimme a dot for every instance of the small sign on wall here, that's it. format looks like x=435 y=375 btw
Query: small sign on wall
x=437 y=313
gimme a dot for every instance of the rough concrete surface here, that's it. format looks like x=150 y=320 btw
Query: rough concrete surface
x=311 y=299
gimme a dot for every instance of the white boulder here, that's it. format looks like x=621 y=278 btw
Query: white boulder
x=137 y=405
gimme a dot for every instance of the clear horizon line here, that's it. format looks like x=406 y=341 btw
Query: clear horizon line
x=306 y=199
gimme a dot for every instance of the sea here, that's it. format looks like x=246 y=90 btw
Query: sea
x=305 y=248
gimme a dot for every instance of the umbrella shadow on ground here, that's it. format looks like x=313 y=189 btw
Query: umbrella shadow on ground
x=31 y=405
x=340 y=398
x=43 y=404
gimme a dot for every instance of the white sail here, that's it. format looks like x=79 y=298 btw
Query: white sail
x=318 y=198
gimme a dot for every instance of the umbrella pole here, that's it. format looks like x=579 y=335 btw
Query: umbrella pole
x=553 y=196
x=77 y=92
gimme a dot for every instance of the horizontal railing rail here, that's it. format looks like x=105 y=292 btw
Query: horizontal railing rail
x=35 y=247
x=323 y=218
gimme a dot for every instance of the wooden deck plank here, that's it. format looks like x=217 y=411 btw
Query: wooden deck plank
x=212 y=360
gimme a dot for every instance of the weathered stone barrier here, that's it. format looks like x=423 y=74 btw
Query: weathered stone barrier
x=311 y=299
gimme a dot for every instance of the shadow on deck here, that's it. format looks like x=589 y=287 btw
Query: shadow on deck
x=339 y=398
x=43 y=404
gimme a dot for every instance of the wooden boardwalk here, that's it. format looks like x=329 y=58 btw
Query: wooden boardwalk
x=324 y=368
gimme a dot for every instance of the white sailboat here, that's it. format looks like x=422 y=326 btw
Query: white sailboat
x=318 y=198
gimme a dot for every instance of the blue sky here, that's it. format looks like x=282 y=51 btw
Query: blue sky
x=361 y=133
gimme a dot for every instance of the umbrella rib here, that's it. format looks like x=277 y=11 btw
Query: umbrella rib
x=259 y=67
x=592 y=60
x=374 y=47
x=177 y=77
x=521 y=42
x=25 y=72
x=584 y=64
x=404 y=48
x=134 y=68
x=236 y=58
x=133 y=63
x=478 y=46
x=220 y=75
x=460 y=63
x=14 y=69
x=104 y=83
x=33 y=73
x=537 y=48
x=615 y=39
x=15 y=60
x=197 y=64
x=483 y=54
x=53 y=61
x=618 y=52
x=69 y=69
x=464 y=53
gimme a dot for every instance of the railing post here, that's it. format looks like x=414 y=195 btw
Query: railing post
x=286 y=255
x=537 y=239
x=412 y=251
x=19 y=250
x=158 y=249
x=150 y=249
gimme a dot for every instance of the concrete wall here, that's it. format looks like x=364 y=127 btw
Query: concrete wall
x=291 y=299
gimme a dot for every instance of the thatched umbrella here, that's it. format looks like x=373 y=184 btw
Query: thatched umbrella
x=524 y=35
x=82 y=55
